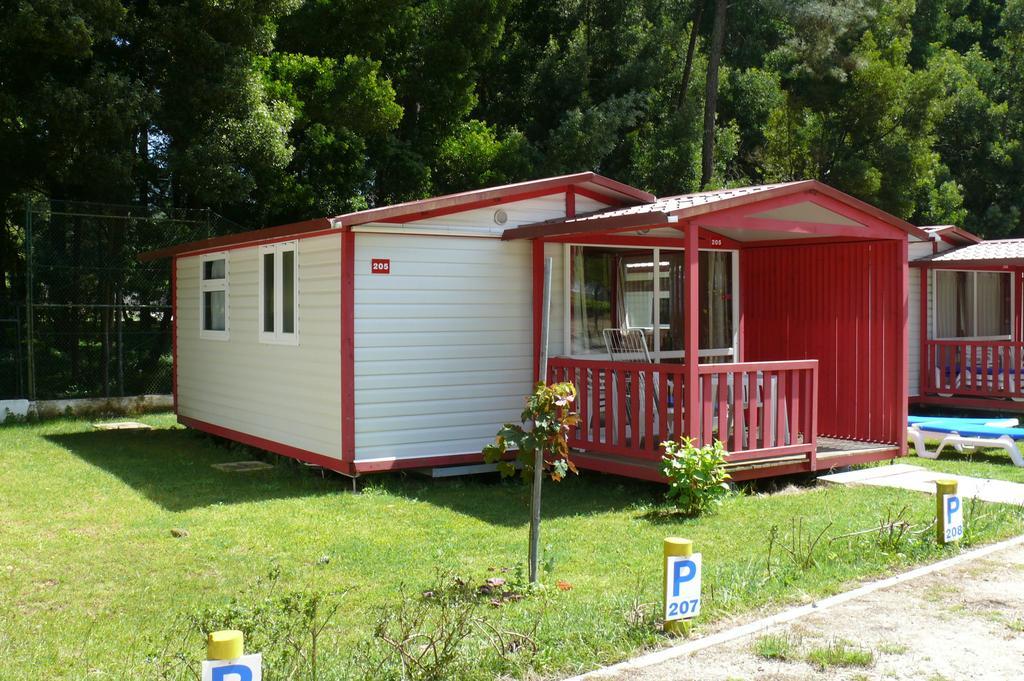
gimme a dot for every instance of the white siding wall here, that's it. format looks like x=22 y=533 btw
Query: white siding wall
x=443 y=344
x=284 y=393
x=917 y=250
x=481 y=220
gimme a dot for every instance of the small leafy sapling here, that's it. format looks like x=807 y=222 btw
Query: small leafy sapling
x=546 y=422
x=697 y=477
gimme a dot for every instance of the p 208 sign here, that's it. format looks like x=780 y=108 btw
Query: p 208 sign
x=380 y=266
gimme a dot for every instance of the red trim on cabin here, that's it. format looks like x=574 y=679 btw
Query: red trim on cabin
x=806 y=190
x=538 y=303
x=269 y=445
x=990 y=265
x=614 y=240
x=990 y=404
x=587 y=225
x=902 y=369
x=691 y=335
x=598 y=196
x=261 y=242
x=462 y=199
x=174 y=333
x=222 y=243
x=399 y=463
x=707 y=238
x=924 y=331
x=616 y=466
x=347 y=346
x=472 y=205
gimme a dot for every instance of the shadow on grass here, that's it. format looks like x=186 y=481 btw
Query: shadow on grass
x=173 y=468
x=507 y=502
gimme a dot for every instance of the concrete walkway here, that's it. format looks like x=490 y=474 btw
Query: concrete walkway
x=905 y=476
x=962 y=618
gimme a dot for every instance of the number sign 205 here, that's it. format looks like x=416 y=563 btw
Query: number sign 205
x=380 y=266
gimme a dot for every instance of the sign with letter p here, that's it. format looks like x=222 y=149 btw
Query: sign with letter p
x=244 y=668
x=682 y=589
x=952 y=518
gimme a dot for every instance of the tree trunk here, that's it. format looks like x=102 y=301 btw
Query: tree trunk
x=711 y=94
x=698 y=14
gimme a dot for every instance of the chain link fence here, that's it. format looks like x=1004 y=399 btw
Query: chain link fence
x=94 y=322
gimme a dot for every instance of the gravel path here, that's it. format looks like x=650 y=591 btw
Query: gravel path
x=966 y=622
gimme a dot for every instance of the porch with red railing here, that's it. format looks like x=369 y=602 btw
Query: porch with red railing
x=973 y=368
x=757 y=409
x=809 y=314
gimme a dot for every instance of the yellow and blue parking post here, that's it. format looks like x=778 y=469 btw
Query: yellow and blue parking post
x=226 y=659
x=682 y=578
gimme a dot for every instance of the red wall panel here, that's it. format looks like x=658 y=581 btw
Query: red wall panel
x=841 y=304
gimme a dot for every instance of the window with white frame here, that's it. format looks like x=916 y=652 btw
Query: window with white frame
x=278 y=300
x=642 y=288
x=213 y=296
x=973 y=304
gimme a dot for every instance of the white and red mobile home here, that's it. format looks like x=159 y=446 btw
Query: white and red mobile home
x=773 y=318
x=970 y=345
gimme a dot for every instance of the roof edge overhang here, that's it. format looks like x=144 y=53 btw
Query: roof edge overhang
x=594 y=223
x=253 y=236
x=953 y=234
x=983 y=264
x=607 y=189
x=615 y=191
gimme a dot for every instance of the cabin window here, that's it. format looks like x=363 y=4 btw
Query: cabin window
x=643 y=288
x=213 y=296
x=973 y=304
x=278 y=296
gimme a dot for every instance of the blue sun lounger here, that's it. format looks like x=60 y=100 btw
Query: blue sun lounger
x=959 y=433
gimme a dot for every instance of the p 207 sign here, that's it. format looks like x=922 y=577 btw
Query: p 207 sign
x=380 y=266
x=682 y=588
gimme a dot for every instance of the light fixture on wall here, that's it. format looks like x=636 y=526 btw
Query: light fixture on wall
x=500 y=217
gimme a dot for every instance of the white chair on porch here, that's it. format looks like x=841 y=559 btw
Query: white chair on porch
x=630 y=345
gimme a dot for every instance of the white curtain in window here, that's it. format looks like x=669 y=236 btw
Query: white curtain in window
x=717 y=293
x=580 y=336
x=993 y=303
x=954 y=292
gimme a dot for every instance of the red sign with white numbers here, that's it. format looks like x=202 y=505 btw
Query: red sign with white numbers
x=380 y=266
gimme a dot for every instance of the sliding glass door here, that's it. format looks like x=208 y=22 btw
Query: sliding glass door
x=641 y=291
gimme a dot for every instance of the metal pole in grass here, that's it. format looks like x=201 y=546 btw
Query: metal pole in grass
x=538 y=455
x=30 y=359
x=674 y=546
x=942 y=488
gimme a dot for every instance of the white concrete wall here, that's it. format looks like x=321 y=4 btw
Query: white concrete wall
x=285 y=393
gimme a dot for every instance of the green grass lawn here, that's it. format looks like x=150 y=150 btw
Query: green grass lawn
x=94 y=585
x=981 y=463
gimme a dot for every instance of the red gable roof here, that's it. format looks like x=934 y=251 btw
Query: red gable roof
x=673 y=208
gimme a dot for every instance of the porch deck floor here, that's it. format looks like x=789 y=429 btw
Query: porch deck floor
x=829 y=448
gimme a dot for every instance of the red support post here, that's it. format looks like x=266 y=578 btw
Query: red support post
x=174 y=333
x=899 y=428
x=691 y=338
x=924 y=324
x=348 y=344
x=538 y=302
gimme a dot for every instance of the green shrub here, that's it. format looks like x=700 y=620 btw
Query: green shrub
x=697 y=477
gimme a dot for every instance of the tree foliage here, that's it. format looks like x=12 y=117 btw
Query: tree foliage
x=278 y=110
